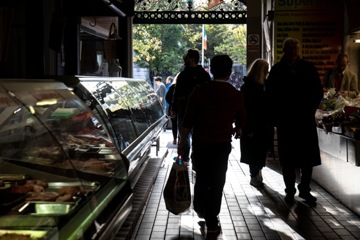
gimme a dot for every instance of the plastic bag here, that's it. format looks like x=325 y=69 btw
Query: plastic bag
x=177 y=193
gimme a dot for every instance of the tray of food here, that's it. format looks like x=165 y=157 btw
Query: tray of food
x=83 y=186
x=106 y=150
x=64 y=191
x=47 y=208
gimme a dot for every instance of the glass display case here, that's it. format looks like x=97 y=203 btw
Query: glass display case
x=131 y=109
x=62 y=175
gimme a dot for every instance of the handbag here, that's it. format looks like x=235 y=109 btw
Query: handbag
x=177 y=193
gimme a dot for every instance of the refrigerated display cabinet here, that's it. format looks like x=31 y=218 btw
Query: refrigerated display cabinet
x=65 y=160
x=131 y=109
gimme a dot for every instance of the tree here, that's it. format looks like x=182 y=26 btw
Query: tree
x=157 y=47
x=233 y=43
x=160 y=47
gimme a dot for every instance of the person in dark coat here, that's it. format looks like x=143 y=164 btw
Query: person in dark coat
x=192 y=75
x=258 y=133
x=294 y=91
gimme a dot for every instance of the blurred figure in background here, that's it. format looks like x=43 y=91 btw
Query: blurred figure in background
x=168 y=82
x=169 y=99
x=160 y=90
x=341 y=78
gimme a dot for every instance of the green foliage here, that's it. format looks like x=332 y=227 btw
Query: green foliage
x=234 y=43
x=161 y=47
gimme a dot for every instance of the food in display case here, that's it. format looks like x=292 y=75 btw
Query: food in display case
x=60 y=170
x=131 y=108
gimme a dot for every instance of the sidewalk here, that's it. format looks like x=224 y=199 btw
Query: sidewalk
x=247 y=213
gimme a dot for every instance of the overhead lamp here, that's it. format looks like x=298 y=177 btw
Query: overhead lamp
x=357 y=40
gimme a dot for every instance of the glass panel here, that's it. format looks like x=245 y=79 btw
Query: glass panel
x=52 y=127
x=117 y=108
x=149 y=102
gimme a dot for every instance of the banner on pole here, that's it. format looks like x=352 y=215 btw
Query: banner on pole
x=204 y=38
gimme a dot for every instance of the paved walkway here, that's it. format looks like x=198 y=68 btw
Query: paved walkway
x=247 y=213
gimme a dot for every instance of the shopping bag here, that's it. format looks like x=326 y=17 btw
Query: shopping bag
x=177 y=193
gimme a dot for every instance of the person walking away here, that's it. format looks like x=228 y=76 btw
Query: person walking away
x=160 y=90
x=258 y=134
x=341 y=78
x=294 y=91
x=212 y=109
x=169 y=98
x=192 y=75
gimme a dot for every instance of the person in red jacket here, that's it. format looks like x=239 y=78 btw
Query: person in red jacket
x=212 y=109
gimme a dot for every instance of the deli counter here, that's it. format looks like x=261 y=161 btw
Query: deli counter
x=70 y=154
x=338 y=119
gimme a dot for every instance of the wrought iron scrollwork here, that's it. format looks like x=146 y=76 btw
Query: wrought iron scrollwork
x=189 y=11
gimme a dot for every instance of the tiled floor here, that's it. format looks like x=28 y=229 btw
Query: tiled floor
x=247 y=213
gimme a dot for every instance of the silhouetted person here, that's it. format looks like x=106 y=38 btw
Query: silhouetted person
x=192 y=75
x=294 y=91
x=258 y=134
x=212 y=109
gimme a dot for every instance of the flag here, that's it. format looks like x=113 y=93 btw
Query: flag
x=204 y=38
x=213 y=3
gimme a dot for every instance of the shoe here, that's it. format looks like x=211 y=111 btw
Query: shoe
x=174 y=141
x=289 y=198
x=216 y=230
x=308 y=197
x=256 y=181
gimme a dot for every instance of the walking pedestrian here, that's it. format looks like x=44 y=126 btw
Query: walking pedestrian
x=294 y=91
x=192 y=75
x=258 y=134
x=212 y=109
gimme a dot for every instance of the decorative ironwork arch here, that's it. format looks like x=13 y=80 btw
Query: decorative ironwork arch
x=190 y=11
x=186 y=17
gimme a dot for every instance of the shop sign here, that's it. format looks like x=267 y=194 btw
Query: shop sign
x=320 y=31
x=253 y=42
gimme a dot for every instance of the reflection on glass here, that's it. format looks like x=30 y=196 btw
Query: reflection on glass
x=50 y=127
x=130 y=104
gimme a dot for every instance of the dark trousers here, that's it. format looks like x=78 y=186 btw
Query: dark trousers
x=254 y=170
x=289 y=175
x=211 y=163
x=174 y=127
x=186 y=155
